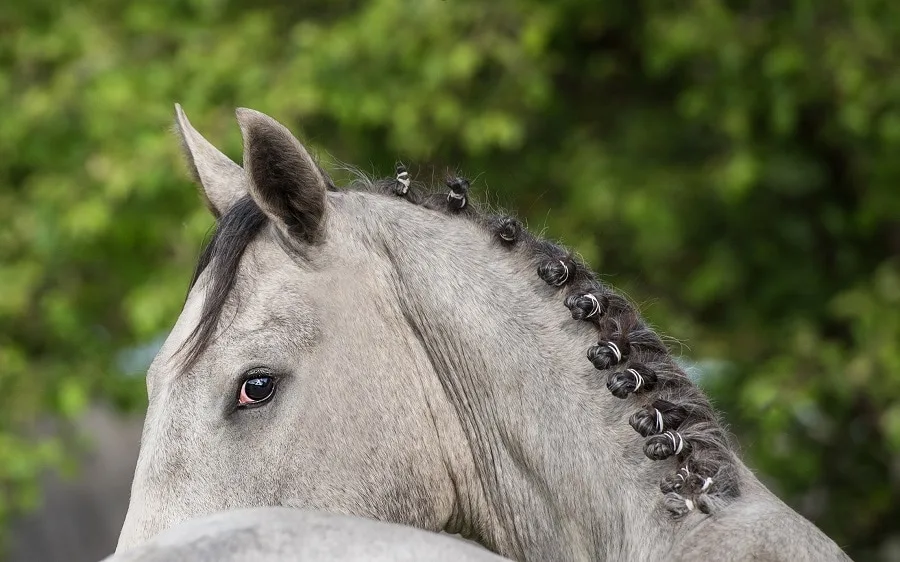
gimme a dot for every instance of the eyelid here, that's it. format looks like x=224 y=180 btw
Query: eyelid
x=256 y=372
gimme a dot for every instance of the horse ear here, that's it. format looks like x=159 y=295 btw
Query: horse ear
x=285 y=181
x=221 y=181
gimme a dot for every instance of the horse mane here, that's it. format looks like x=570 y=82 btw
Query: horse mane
x=672 y=413
x=231 y=234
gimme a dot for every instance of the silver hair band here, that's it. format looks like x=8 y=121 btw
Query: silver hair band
x=403 y=179
x=678 y=444
x=566 y=278
x=458 y=197
x=613 y=347
x=638 y=380
x=596 y=308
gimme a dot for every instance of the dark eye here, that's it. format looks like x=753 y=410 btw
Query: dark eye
x=256 y=390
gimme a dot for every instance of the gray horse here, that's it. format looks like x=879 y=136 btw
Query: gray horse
x=280 y=534
x=405 y=357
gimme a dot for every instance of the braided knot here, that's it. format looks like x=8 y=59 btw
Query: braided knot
x=401 y=180
x=459 y=188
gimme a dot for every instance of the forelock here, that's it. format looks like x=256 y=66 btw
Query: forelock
x=220 y=259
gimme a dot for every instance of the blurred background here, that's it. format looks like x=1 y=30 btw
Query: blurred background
x=733 y=166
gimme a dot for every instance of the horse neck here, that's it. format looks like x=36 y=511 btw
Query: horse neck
x=556 y=472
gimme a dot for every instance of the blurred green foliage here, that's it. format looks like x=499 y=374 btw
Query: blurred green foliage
x=735 y=162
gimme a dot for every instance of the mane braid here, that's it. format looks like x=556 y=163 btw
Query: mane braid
x=637 y=364
x=671 y=413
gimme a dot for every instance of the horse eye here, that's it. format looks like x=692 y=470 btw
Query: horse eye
x=256 y=390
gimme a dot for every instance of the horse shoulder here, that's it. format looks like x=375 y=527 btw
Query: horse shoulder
x=279 y=534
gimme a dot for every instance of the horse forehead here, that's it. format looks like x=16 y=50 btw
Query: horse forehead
x=264 y=285
x=166 y=359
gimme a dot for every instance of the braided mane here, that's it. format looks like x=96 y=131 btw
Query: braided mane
x=672 y=413
x=632 y=362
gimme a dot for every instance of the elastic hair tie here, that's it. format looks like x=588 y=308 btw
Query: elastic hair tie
x=509 y=229
x=458 y=188
x=659 y=427
x=460 y=197
x=678 y=444
x=638 y=382
x=402 y=179
x=611 y=345
x=689 y=504
x=564 y=279
x=707 y=482
x=596 y=305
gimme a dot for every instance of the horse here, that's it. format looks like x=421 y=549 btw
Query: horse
x=282 y=534
x=403 y=355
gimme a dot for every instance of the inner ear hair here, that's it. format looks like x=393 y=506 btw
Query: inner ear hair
x=285 y=180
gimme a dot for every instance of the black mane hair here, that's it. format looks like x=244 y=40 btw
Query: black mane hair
x=222 y=254
x=632 y=362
